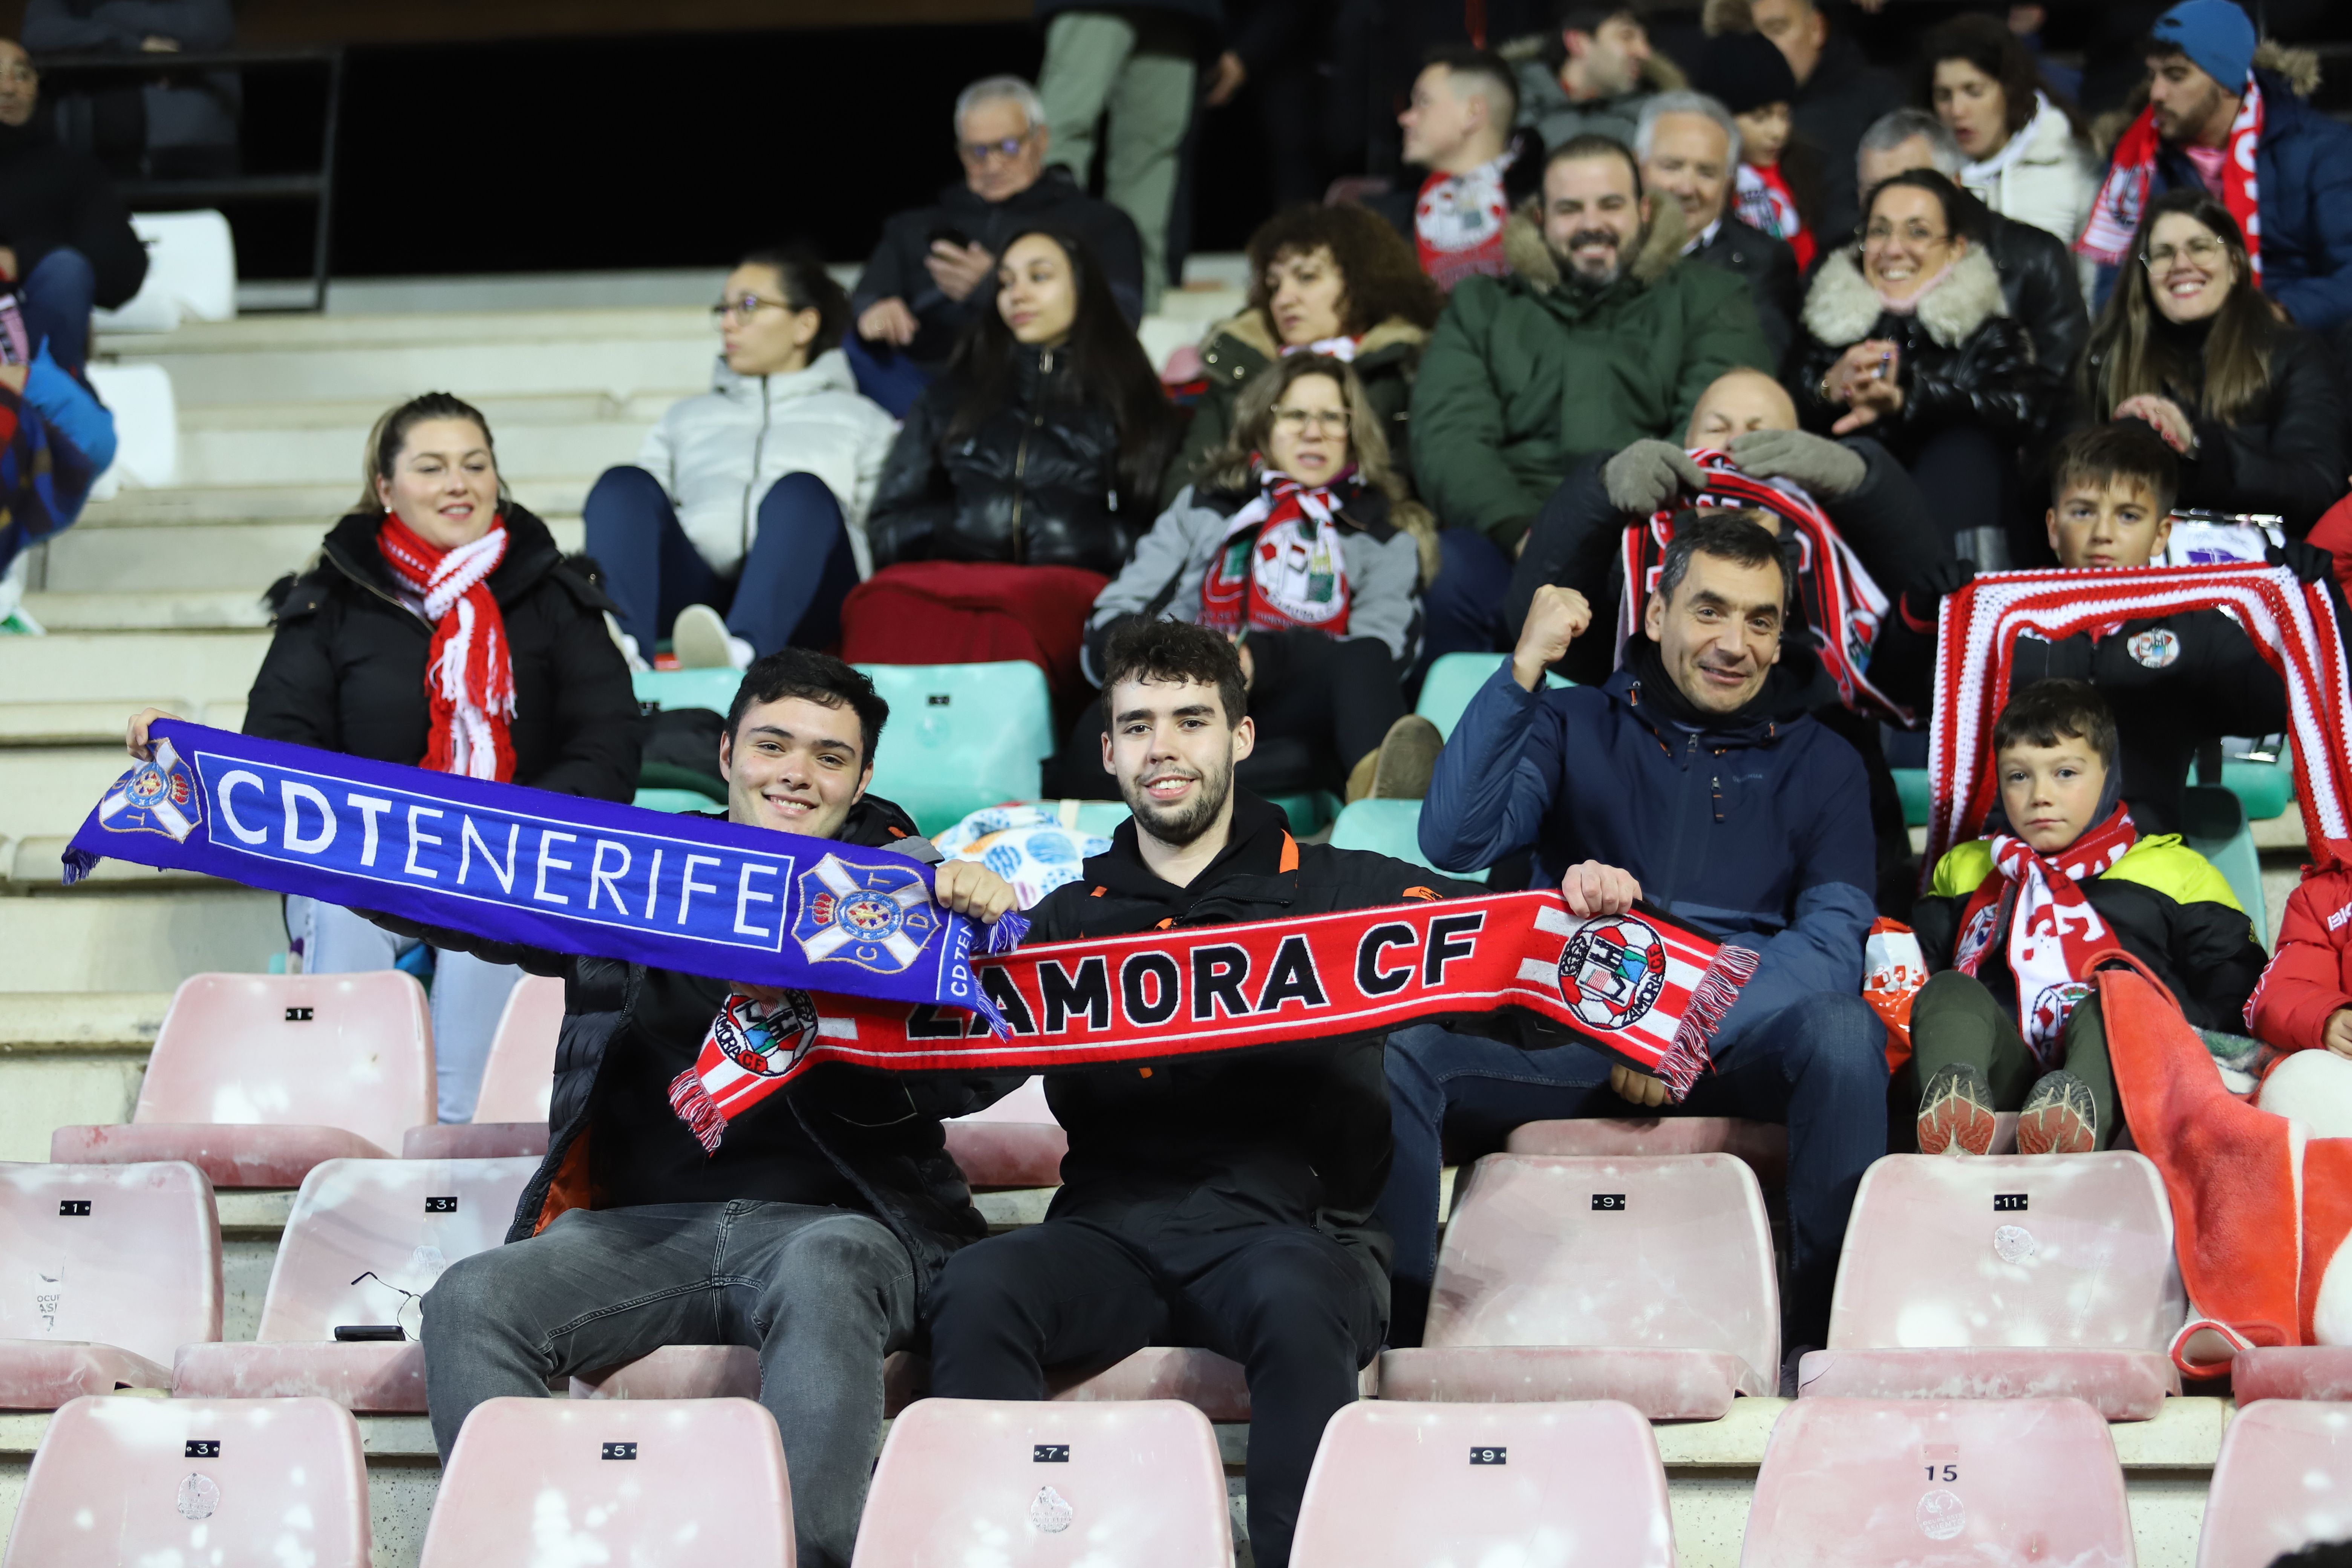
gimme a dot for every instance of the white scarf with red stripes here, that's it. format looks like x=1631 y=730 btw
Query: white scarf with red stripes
x=469 y=671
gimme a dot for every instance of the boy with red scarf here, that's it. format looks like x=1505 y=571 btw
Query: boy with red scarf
x=2017 y=920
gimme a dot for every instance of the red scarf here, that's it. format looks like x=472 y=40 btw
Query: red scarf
x=1457 y=223
x=1280 y=565
x=2115 y=214
x=468 y=674
x=2054 y=931
x=1763 y=200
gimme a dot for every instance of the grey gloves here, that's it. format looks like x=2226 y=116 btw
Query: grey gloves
x=1648 y=474
x=1826 y=470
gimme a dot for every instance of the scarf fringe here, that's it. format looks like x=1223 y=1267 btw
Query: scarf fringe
x=1710 y=999
x=695 y=1108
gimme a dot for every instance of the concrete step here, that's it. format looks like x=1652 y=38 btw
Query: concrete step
x=36 y=866
x=202 y=557
x=80 y=1021
x=129 y=667
x=251 y=446
x=136 y=941
x=50 y=790
x=76 y=723
x=118 y=610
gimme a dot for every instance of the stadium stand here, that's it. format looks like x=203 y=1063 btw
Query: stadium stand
x=517 y=1082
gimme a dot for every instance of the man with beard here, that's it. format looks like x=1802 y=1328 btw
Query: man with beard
x=1223 y=1201
x=1601 y=334
x=1695 y=780
x=1593 y=77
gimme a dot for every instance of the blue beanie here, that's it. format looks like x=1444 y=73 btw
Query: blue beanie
x=2216 y=36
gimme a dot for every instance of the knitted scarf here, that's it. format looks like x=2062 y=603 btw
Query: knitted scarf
x=1843 y=606
x=2292 y=623
x=1279 y=564
x=468 y=674
x=2115 y=212
x=2054 y=931
x=1457 y=223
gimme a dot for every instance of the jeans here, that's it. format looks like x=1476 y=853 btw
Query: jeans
x=787 y=592
x=1138 y=67
x=1287 y=1303
x=469 y=996
x=823 y=1294
x=1465 y=605
x=58 y=294
x=1818 y=1065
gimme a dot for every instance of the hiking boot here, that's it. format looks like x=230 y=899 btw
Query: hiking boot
x=2059 y=1118
x=1955 y=1112
x=1408 y=755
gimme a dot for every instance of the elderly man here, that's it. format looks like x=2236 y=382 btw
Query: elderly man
x=1601 y=334
x=935 y=269
x=1839 y=93
x=64 y=236
x=1458 y=127
x=1595 y=78
x=1689 y=148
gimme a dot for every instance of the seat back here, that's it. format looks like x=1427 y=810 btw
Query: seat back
x=1390 y=827
x=1454 y=677
x=684 y=1482
x=127 y=1255
x=711 y=689
x=1025 y=1105
x=1938 y=1483
x=1577 y=1485
x=2283 y=1481
x=195 y=1480
x=1021 y=1485
x=2213 y=823
x=519 y=1079
x=368 y=1237
x=1672 y=1252
x=962 y=736
x=2068 y=1252
x=353 y=1051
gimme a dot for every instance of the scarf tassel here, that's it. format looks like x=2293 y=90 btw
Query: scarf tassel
x=696 y=1108
x=1710 y=999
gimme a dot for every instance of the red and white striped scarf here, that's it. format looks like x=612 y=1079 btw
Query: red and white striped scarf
x=2292 y=623
x=469 y=671
x=1843 y=607
x=2115 y=212
x=2054 y=931
x=1280 y=564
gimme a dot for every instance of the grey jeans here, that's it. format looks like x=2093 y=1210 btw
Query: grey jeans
x=823 y=1294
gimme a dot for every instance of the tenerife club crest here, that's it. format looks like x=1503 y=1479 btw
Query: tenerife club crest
x=1612 y=971
x=876 y=916
x=765 y=1043
x=160 y=796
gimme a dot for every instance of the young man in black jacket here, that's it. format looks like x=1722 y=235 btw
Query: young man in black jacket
x=813 y=1229
x=1223 y=1202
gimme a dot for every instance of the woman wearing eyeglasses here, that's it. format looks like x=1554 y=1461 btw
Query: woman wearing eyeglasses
x=2189 y=344
x=740 y=527
x=1298 y=542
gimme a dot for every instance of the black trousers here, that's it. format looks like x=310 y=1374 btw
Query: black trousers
x=1289 y=1303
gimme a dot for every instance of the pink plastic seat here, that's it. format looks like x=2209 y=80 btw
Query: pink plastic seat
x=2008 y=1277
x=2291 y=1371
x=677 y=1372
x=967 y=1482
x=517 y=1084
x=1014 y=1144
x=2282 y=1482
x=1648 y=1280
x=255 y=1078
x=1764 y=1145
x=1571 y=1484
x=364 y=1242
x=1945 y=1483
x=697 y=1483
x=114 y=1268
x=191 y=1481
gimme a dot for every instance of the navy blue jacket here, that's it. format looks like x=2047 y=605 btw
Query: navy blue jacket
x=1760 y=835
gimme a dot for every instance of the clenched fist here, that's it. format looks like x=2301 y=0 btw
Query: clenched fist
x=1557 y=618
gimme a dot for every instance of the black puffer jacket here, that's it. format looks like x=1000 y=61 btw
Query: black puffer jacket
x=345 y=671
x=1963 y=359
x=1037 y=485
x=2042 y=290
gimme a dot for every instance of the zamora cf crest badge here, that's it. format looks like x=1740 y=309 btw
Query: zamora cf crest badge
x=1611 y=972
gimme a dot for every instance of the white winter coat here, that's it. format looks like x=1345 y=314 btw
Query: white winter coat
x=716 y=453
x=2042 y=175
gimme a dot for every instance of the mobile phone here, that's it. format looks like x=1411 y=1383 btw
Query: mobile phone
x=949 y=233
x=368 y=1333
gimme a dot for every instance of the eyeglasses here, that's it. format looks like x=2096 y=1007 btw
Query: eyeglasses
x=982 y=151
x=1327 y=421
x=746 y=307
x=2204 y=250
x=1880 y=232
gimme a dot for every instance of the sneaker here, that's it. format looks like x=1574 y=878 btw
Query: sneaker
x=20 y=623
x=2059 y=1118
x=1407 y=757
x=1955 y=1112
x=702 y=641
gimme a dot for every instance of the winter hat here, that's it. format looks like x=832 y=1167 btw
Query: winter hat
x=2216 y=36
x=1745 y=71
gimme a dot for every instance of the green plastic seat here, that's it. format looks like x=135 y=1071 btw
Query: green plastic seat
x=961 y=736
x=674 y=689
x=1911 y=783
x=1307 y=812
x=1096 y=819
x=2215 y=821
x=2266 y=788
x=1389 y=828
x=674 y=800
x=1453 y=679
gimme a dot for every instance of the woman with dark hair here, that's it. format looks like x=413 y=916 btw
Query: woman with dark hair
x=2189 y=344
x=2029 y=159
x=437 y=569
x=1909 y=342
x=1334 y=281
x=741 y=526
x=1296 y=541
x=1022 y=476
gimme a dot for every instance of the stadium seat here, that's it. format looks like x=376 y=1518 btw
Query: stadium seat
x=2216 y=827
x=1917 y=794
x=1389 y=828
x=255 y=1078
x=684 y=1483
x=2282 y=1482
x=2291 y=1371
x=711 y=689
x=1646 y=1281
x=146 y=427
x=1307 y=812
x=671 y=799
x=115 y=1267
x=1942 y=1483
x=171 y=1481
x=517 y=1084
x=2008 y=1277
x=1763 y=1145
x=1454 y=677
x=2266 y=789
x=1047 y=1486
x=1014 y=1144
x=364 y=1242
x=191 y=271
x=961 y=736
x=1575 y=1484
x=677 y=1372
